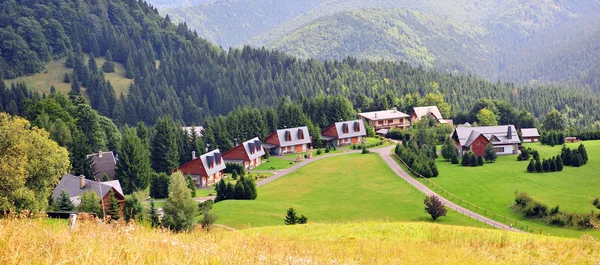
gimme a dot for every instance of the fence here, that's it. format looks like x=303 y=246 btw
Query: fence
x=473 y=207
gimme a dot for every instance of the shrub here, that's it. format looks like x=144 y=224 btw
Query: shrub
x=554 y=210
x=365 y=150
x=230 y=167
x=319 y=151
x=454 y=160
x=480 y=160
x=434 y=207
x=490 y=154
x=531 y=166
x=207 y=219
x=327 y=149
x=234 y=174
x=291 y=218
x=133 y=207
x=520 y=157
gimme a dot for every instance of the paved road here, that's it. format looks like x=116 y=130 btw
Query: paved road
x=385 y=154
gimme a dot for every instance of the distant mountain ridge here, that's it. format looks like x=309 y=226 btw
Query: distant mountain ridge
x=520 y=41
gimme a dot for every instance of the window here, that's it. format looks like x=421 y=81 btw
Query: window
x=390 y=121
x=356 y=126
x=345 y=128
x=499 y=149
x=300 y=134
x=288 y=136
x=380 y=122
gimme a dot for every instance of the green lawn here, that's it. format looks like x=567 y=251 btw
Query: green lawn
x=493 y=186
x=338 y=189
x=276 y=162
x=54 y=73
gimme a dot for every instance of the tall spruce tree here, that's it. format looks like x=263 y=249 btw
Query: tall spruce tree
x=114 y=206
x=133 y=167
x=165 y=155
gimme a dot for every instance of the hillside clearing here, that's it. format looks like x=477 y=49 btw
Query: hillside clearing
x=338 y=189
x=54 y=74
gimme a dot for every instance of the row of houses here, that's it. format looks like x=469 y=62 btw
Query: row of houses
x=384 y=120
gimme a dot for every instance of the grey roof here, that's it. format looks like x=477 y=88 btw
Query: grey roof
x=209 y=158
x=424 y=111
x=255 y=144
x=384 y=115
x=104 y=163
x=530 y=132
x=466 y=135
x=339 y=126
x=198 y=129
x=327 y=138
x=294 y=136
x=72 y=185
x=382 y=131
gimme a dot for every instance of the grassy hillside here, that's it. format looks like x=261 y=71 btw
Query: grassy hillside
x=54 y=72
x=493 y=186
x=41 y=242
x=338 y=189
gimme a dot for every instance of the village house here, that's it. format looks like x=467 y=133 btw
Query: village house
x=344 y=133
x=530 y=135
x=103 y=163
x=504 y=138
x=288 y=141
x=206 y=169
x=75 y=186
x=428 y=111
x=386 y=119
x=248 y=154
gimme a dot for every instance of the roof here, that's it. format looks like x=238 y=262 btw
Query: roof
x=384 y=115
x=466 y=135
x=530 y=132
x=382 y=131
x=424 y=111
x=353 y=128
x=293 y=134
x=211 y=157
x=103 y=163
x=252 y=149
x=72 y=185
x=198 y=129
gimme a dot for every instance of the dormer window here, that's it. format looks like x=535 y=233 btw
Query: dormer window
x=288 y=136
x=300 y=134
x=356 y=126
x=210 y=160
x=258 y=145
x=251 y=147
x=345 y=128
x=218 y=158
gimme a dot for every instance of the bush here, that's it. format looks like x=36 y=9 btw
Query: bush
x=291 y=218
x=133 y=207
x=207 y=219
x=244 y=189
x=479 y=160
x=180 y=209
x=365 y=150
x=327 y=149
x=319 y=151
x=159 y=186
x=434 y=207
x=417 y=160
x=230 y=167
x=454 y=160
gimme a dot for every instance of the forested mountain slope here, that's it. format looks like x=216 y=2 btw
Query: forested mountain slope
x=177 y=73
x=520 y=41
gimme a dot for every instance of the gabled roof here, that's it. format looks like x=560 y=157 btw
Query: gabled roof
x=466 y=135
x=384 y=115
x=204 y=165
x=104 y=163
x=251 y=149
x=293 y=136
x=530 y=132
x=347 y=129
x=72 y=185
x=427 y=110
x=198 y=129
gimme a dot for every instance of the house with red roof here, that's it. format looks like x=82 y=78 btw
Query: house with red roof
x=248 y=154
x=288 y=141
x=344 y=133
x=206 y=169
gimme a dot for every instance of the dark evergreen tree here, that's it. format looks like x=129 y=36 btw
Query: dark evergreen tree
x=165 y=156
x=159 y=187
x=531 y=166
x=191 y=185
x=64 y=202
x=490 y=154
x=114 y=207
x=133 y=167
x=538 y=166
x=154 y=218
x=479 y=160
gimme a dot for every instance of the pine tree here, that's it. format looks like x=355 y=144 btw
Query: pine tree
x=180 y=209
x=546 y=165
x=538 y=166
x=64 y=202
x=490 y=154
x=108 y=66
x=577 y=160
x=466 y=159
x=473 y=159
x=240 y=191
x=159 y=187
x=67 y=78
x=221 y=189
x=234 y=174
x=114 y=207
x=559 y=163
x=290 y=217
x=454 y=159
x=584 y=157
x=479 y=160
x=165 y=155
x=552 y=162
x=133 y=167
x=531 y=166
x=133 y=207
x=191 y=185
x=89 y=203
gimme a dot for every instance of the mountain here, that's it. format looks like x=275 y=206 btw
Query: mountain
x=175 y=72
x=521 y=41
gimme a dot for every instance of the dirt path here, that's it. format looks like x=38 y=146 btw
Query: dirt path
x=385 y=154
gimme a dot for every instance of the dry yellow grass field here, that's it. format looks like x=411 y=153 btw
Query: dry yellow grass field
x=40 y=241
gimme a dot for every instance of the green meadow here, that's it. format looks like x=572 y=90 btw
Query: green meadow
x=344 y=188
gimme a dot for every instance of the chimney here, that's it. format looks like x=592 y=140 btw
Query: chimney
x=509 y=135
x=375 y=115
x=395 y=109
x=100 y=154
x=81 y=181
x=193 y=155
